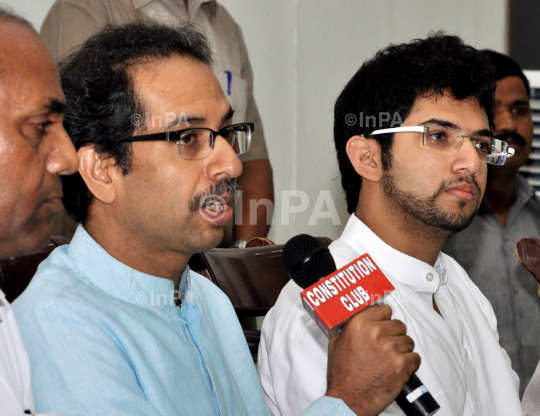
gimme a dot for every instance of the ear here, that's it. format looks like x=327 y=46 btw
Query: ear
x=365 y=156
x=100 y=173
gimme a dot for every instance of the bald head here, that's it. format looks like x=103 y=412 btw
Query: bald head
x=18 y=42
x=7 y=15
x=34 y=147
x=12 y=26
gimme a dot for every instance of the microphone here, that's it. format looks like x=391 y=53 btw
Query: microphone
x=332 y=297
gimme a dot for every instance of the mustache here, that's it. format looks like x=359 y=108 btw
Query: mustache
x=226 y=186
x=452 y=182
x=514 y=136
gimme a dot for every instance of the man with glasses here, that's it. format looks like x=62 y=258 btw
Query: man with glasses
x=509 y=211
x=70 y=23
x=409 y=188
x=115 y=322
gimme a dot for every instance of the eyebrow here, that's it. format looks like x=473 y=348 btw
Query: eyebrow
x=197 y=121
x=55 y=106
x=441 y=123
x=450 y=125
x=227 y=117
x=521 y=102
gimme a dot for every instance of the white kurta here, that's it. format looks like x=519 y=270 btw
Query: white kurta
x=463 y=365
x=15 y=382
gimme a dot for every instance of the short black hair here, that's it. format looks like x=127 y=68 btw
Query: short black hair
x=383 y=91
x=8 y=15
x=506 y=67
x=101 y=101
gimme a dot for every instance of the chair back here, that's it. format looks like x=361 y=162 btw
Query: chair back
x=17 y=272
x=252 y=277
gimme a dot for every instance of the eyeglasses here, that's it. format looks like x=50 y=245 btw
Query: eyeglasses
x=447 y=140
x=197 y=143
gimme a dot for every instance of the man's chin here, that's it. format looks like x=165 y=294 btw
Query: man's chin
x=457 y=222
x=24 y=245
x=212 y=239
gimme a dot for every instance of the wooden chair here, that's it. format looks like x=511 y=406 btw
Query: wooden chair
x=16 y=272
x=251 y=277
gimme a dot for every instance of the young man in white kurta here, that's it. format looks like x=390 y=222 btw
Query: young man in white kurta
x=463 y=365
x=408 y=191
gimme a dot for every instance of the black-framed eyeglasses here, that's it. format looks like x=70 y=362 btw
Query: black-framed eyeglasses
x=197 y=143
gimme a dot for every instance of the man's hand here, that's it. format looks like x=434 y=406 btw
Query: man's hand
x=370 y=361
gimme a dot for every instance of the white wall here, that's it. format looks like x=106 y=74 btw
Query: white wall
x=303 y=52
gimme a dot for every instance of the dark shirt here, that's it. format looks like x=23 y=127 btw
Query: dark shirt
x=487 y=251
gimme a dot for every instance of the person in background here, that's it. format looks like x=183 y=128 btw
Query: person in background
x=411 y=182
x=71 y=22
x=116 y=323
x=510 y=210
x=35 y=151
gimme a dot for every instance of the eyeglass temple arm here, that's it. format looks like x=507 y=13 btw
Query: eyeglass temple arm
x=508 y=153
x=418 y=129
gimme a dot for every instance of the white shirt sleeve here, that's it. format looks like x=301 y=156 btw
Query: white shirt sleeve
x=15 y=381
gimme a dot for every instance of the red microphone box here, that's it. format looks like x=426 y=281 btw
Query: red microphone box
x=341 y=295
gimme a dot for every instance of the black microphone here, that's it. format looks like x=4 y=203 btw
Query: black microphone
x=308 y=260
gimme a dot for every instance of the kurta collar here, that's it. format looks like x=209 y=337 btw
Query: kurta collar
x=120 y=280
x=413 y=273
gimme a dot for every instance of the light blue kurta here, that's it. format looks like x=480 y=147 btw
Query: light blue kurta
x=105 y=339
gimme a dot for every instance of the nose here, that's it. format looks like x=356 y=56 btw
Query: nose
x=224 y=162
x=467 y=160
x=63 y=158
